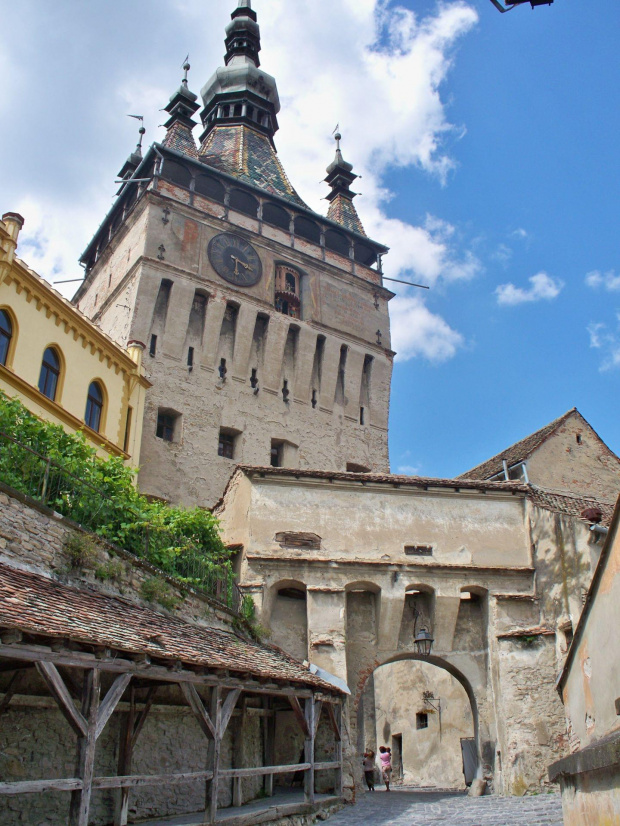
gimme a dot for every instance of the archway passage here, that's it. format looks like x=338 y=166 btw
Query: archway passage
x=426 y=716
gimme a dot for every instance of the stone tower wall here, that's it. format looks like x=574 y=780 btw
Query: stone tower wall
x=329 y=358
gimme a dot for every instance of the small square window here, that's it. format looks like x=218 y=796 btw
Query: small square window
x=226 y=445
x=421 y=720
x=166 y=425
x=277 y=454
x=418 y=550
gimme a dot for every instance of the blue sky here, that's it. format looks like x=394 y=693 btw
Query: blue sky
x=487 y=145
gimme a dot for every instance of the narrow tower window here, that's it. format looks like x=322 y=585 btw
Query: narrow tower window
x=287 y=291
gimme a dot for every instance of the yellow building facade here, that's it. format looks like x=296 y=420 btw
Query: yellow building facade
x=60 y=365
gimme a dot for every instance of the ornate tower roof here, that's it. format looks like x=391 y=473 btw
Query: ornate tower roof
x=240 y=107
x=181 y=107
x=240 y=92
x=340 y=176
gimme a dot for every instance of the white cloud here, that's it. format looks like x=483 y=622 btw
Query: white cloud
x=420 y=332
x=377 y=69
x=542 y=287
x=520 y=233
x=408 y=470
x=608 y=342
x=608 y=280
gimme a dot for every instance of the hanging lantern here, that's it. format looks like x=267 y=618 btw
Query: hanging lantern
x=423 y=642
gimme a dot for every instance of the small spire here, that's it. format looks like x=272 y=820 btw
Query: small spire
x=181 y=107
x=340 y=176
x=134 y=160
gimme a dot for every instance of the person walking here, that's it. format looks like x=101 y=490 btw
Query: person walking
x=385 y=757
x=368 y=764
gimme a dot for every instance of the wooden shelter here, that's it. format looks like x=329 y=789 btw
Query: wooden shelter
x=92 y=650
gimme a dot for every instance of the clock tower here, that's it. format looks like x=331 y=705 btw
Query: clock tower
x=264 y=324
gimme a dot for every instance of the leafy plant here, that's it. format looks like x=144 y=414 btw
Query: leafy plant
x=158 y=590
x=112 y=569
x=63 y=471
x=81 y=549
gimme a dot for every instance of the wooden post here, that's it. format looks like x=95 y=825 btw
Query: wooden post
x=269 y=730
x=309 y=751
x=80 y=799
x=239 y=757
x=215 y=752
x=130 y=732
x=338 y=756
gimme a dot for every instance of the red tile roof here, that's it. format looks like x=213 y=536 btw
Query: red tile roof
x=37 y=605
x=571 y=504
x=388 y=478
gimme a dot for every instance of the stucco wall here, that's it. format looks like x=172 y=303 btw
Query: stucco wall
x=430 y=756
x=574 y=458
x=591 y=687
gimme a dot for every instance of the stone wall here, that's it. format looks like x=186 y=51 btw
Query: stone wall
x=33 y=538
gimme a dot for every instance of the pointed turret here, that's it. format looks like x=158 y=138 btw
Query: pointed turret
x=135 y=159
x=182 y=105
x=340 y=176
x=239 y=92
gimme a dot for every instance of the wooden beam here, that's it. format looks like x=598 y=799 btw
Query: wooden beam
x=121 y=804
x=330 y=764
x=339 y=783
x=135 y=780
x=309 y=794
x=197 y=707
x=299 y=715
x=10 y=691
x=150 y=699
x=269 y=731
x=80 y=800
x=318 y=707
x=61 y=694
x=112 y=699
x=227 y=709
x=260 y=770
x=215 y=754
x=38 y=786
x=334 y=722
x=120 y=665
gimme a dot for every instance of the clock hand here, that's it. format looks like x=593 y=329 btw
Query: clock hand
x=243 y=264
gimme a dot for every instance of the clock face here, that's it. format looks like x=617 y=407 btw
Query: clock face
x=235 y=260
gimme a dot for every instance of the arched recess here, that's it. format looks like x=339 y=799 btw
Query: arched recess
x=243 y=202
x=288 y=619
x=337 y=242
x=305 y=228
x=210 y=188
x=410 y=703
x=177 y=173
x=276 y=215
x=418 y=612
x=470 y=633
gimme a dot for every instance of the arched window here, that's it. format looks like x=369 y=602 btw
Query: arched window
x=50 y=373
x=276 y=215
x=305 y=228
x=6 y=334
x=337 y=242
x=244 y=202
x=94 y=406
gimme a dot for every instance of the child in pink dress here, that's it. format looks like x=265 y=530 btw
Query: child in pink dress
x=385 y=758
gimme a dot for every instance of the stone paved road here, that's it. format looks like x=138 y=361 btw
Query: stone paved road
x=408 y=808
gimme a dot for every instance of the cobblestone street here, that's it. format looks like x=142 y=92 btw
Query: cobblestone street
x=408 y=808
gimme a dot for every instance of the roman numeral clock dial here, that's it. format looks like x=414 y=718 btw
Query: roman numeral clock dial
x=235 y=260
